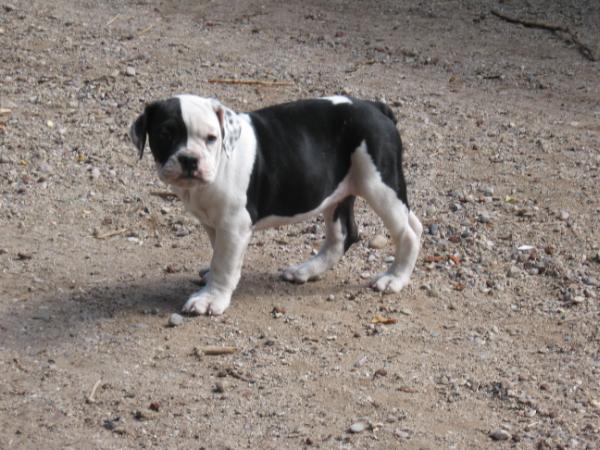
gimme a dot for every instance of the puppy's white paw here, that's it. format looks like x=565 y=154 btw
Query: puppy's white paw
x=209 y=303
x=299 y=274
x=387 y=282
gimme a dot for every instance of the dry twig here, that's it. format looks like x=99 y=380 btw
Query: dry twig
x=90 y=398
x=215 y=350
x=586 y=51
x=145 y=30
x=112 y=20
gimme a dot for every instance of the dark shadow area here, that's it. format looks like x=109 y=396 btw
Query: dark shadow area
x=48 y=319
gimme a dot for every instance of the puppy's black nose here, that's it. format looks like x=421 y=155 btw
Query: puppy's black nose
x=189 y=164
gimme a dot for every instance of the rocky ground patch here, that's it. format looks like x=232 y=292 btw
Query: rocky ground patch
x=494 y=344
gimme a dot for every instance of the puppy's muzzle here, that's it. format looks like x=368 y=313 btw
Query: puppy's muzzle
x=189 y=164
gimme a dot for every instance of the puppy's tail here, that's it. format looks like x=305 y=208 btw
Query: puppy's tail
x=386 y=110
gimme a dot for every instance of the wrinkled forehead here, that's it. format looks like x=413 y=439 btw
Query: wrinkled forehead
x=198 y=115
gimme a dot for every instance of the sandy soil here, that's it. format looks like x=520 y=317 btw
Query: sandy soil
x=497 y=336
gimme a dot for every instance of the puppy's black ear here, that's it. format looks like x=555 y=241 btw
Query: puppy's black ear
x=138 y=132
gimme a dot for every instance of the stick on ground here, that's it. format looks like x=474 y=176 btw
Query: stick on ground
x=215 y=350
x=90 y=398
x=145 y=30
x=112 y=20
x=586 y=51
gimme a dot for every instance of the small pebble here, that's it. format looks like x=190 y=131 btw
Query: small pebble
x=45 y=168
x=488 y=191
x=111 y=424
x=563 y=215
x=155 y=406
x=278 y=312
x=358 y=427
x=500 y=435
x=175 y=320
x=513 y=272
x=361 y=361
x=402 y=434
x=378 y=241
x=484 y=217
x=130 y=71
x=380 y=373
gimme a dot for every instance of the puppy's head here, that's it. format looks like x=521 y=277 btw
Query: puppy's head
x=187 y=135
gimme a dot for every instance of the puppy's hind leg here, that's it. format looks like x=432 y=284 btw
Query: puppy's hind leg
x=340 y=234
x=405 y=230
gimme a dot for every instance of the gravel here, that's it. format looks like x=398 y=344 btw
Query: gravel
x=358 y=427
x=175 y=320
x=378 y=241
x=500 y=435
x=501 y=140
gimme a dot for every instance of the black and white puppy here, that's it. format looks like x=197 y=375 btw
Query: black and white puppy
x=240 y=172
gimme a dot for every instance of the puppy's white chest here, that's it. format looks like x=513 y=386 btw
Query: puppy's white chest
x=194 y=204
x=201 y=214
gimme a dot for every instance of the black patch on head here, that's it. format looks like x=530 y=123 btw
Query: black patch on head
x=163 y=122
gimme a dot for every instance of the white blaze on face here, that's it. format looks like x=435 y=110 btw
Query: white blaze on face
x=201 y=122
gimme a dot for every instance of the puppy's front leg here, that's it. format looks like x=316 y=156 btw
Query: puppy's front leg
x=225 y=270
x=205 y=271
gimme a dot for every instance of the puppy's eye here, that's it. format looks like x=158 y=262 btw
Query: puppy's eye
x=211 y=139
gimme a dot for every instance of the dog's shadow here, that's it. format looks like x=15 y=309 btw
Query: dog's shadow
x=54 y=318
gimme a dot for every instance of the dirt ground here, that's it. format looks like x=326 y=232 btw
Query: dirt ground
x=496 y=339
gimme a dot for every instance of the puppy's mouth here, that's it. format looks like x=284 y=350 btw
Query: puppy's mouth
x=189 y=176
x=189 y=179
